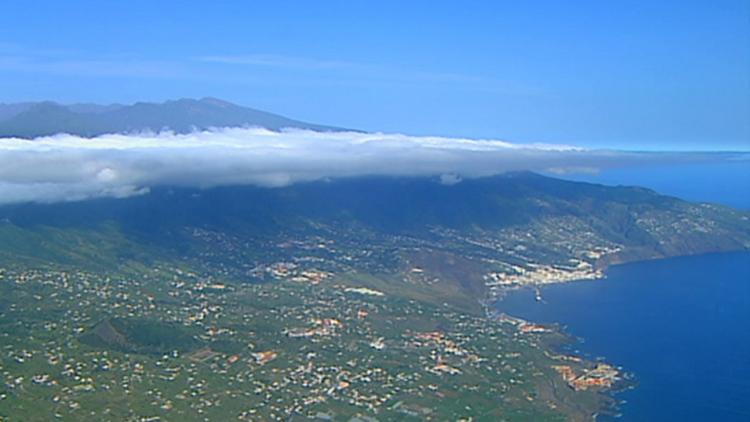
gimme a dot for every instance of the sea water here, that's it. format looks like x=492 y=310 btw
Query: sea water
x=681 y=326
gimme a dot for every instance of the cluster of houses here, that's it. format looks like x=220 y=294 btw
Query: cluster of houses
x=601 y=376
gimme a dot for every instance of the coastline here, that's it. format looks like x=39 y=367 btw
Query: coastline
x=563 y=341
x=577 y=405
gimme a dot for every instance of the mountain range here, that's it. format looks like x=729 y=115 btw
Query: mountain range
x=512 y=223
x=521 y=218
x=35 y=119
x=311 y=297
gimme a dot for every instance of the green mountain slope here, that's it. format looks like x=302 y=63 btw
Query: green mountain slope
x=487 y=226
x=358 y=298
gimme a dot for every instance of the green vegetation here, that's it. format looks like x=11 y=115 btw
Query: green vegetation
x=248 y=304
x=257 y=352
x=140 y=336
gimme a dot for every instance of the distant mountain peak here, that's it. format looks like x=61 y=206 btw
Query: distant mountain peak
x=31 y=120
x=217 y=102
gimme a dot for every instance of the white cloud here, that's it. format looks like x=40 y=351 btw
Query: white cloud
x=274 y=60
x=66 y=167
x=450 y=179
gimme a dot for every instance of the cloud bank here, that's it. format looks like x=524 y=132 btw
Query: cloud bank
x=66 y=167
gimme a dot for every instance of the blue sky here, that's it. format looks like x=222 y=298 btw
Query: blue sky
x=634 y=75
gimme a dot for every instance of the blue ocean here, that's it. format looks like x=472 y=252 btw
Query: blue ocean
x=681 y=326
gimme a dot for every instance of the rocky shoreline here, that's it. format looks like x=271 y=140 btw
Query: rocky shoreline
x=579 y=387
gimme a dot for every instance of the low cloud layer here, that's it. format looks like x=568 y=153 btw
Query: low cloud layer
x=65 y=167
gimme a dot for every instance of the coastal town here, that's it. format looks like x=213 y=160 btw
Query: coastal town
x=555 y=251
x=329 y=323
x=180 y=346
